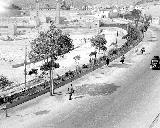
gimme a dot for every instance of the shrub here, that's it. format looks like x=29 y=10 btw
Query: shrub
x=4 y=82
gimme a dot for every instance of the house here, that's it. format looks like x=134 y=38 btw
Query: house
x=114 y=12
x=155 y=20
x=102 y=14
x=123 y=10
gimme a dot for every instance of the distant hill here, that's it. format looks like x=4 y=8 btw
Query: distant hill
x=146 y=1
x=76 y=3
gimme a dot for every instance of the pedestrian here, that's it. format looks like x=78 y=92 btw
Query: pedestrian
x=107 y=61
x=85 y=40
x=122 y=59
x=142 y=50
x=90 y=60
x=70 y=91
x=117 y=33
x=95 y=61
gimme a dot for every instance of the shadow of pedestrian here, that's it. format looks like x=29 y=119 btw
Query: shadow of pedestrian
x=78 y=97
x=152 y=40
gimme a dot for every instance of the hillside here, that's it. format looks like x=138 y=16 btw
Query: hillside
x=146 y=1
x=76 y=3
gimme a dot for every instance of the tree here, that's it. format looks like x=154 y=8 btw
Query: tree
x=104 y=49
x=52 y=43
x=13 y=6
x=146 y=23
x=4 y=82
x=77 y=58
x=98 y=42
x=136 y=14
x=64 y=5
x=132 y=34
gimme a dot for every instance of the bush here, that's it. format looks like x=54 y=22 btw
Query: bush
x=69 y=73
x=85 y=66
x=47 y=65
x=113 y=52
x=4 y=82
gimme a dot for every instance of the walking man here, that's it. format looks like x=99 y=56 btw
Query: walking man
x=107 y=61
x=142 y=50
x=122 y=59
x=70 y=91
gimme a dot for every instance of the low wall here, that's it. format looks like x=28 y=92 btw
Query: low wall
x=27 y=98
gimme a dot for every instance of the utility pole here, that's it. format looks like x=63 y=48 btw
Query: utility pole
x=51 y=68
x=51 y=78
x=57 y=13
x=25 y=66
x=37 y=8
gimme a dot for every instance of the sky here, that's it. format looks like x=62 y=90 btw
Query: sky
x=3 y=5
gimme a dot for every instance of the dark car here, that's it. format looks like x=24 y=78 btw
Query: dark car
x=155 y=62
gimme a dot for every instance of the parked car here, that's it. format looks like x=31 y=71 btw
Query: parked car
x=155 y=62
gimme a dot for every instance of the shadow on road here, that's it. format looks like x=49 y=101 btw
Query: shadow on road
x=152 y=40
x=96 y=89
x=120 y=65
x=42 y=112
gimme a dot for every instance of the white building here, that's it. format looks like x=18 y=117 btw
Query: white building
x=131 y=7
x=156 y=20
x=102 y=14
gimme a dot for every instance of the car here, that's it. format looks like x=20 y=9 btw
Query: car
x=155 y=62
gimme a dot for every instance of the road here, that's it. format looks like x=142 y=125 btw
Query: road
x=133 y=103
x=131 y=106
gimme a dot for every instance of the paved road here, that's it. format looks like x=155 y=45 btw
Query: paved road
x=134 y=102
x=133 y=105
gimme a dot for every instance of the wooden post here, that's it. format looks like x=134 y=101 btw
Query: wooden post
x=5 y=107
x=25 y=66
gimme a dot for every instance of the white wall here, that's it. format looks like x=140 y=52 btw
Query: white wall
x=156 y=20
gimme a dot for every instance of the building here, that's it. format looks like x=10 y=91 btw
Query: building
x=155 y=20
x=114 y=12
x=102 y=14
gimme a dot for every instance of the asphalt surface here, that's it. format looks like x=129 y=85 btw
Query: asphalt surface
x=132 y=101
x=133 y=104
